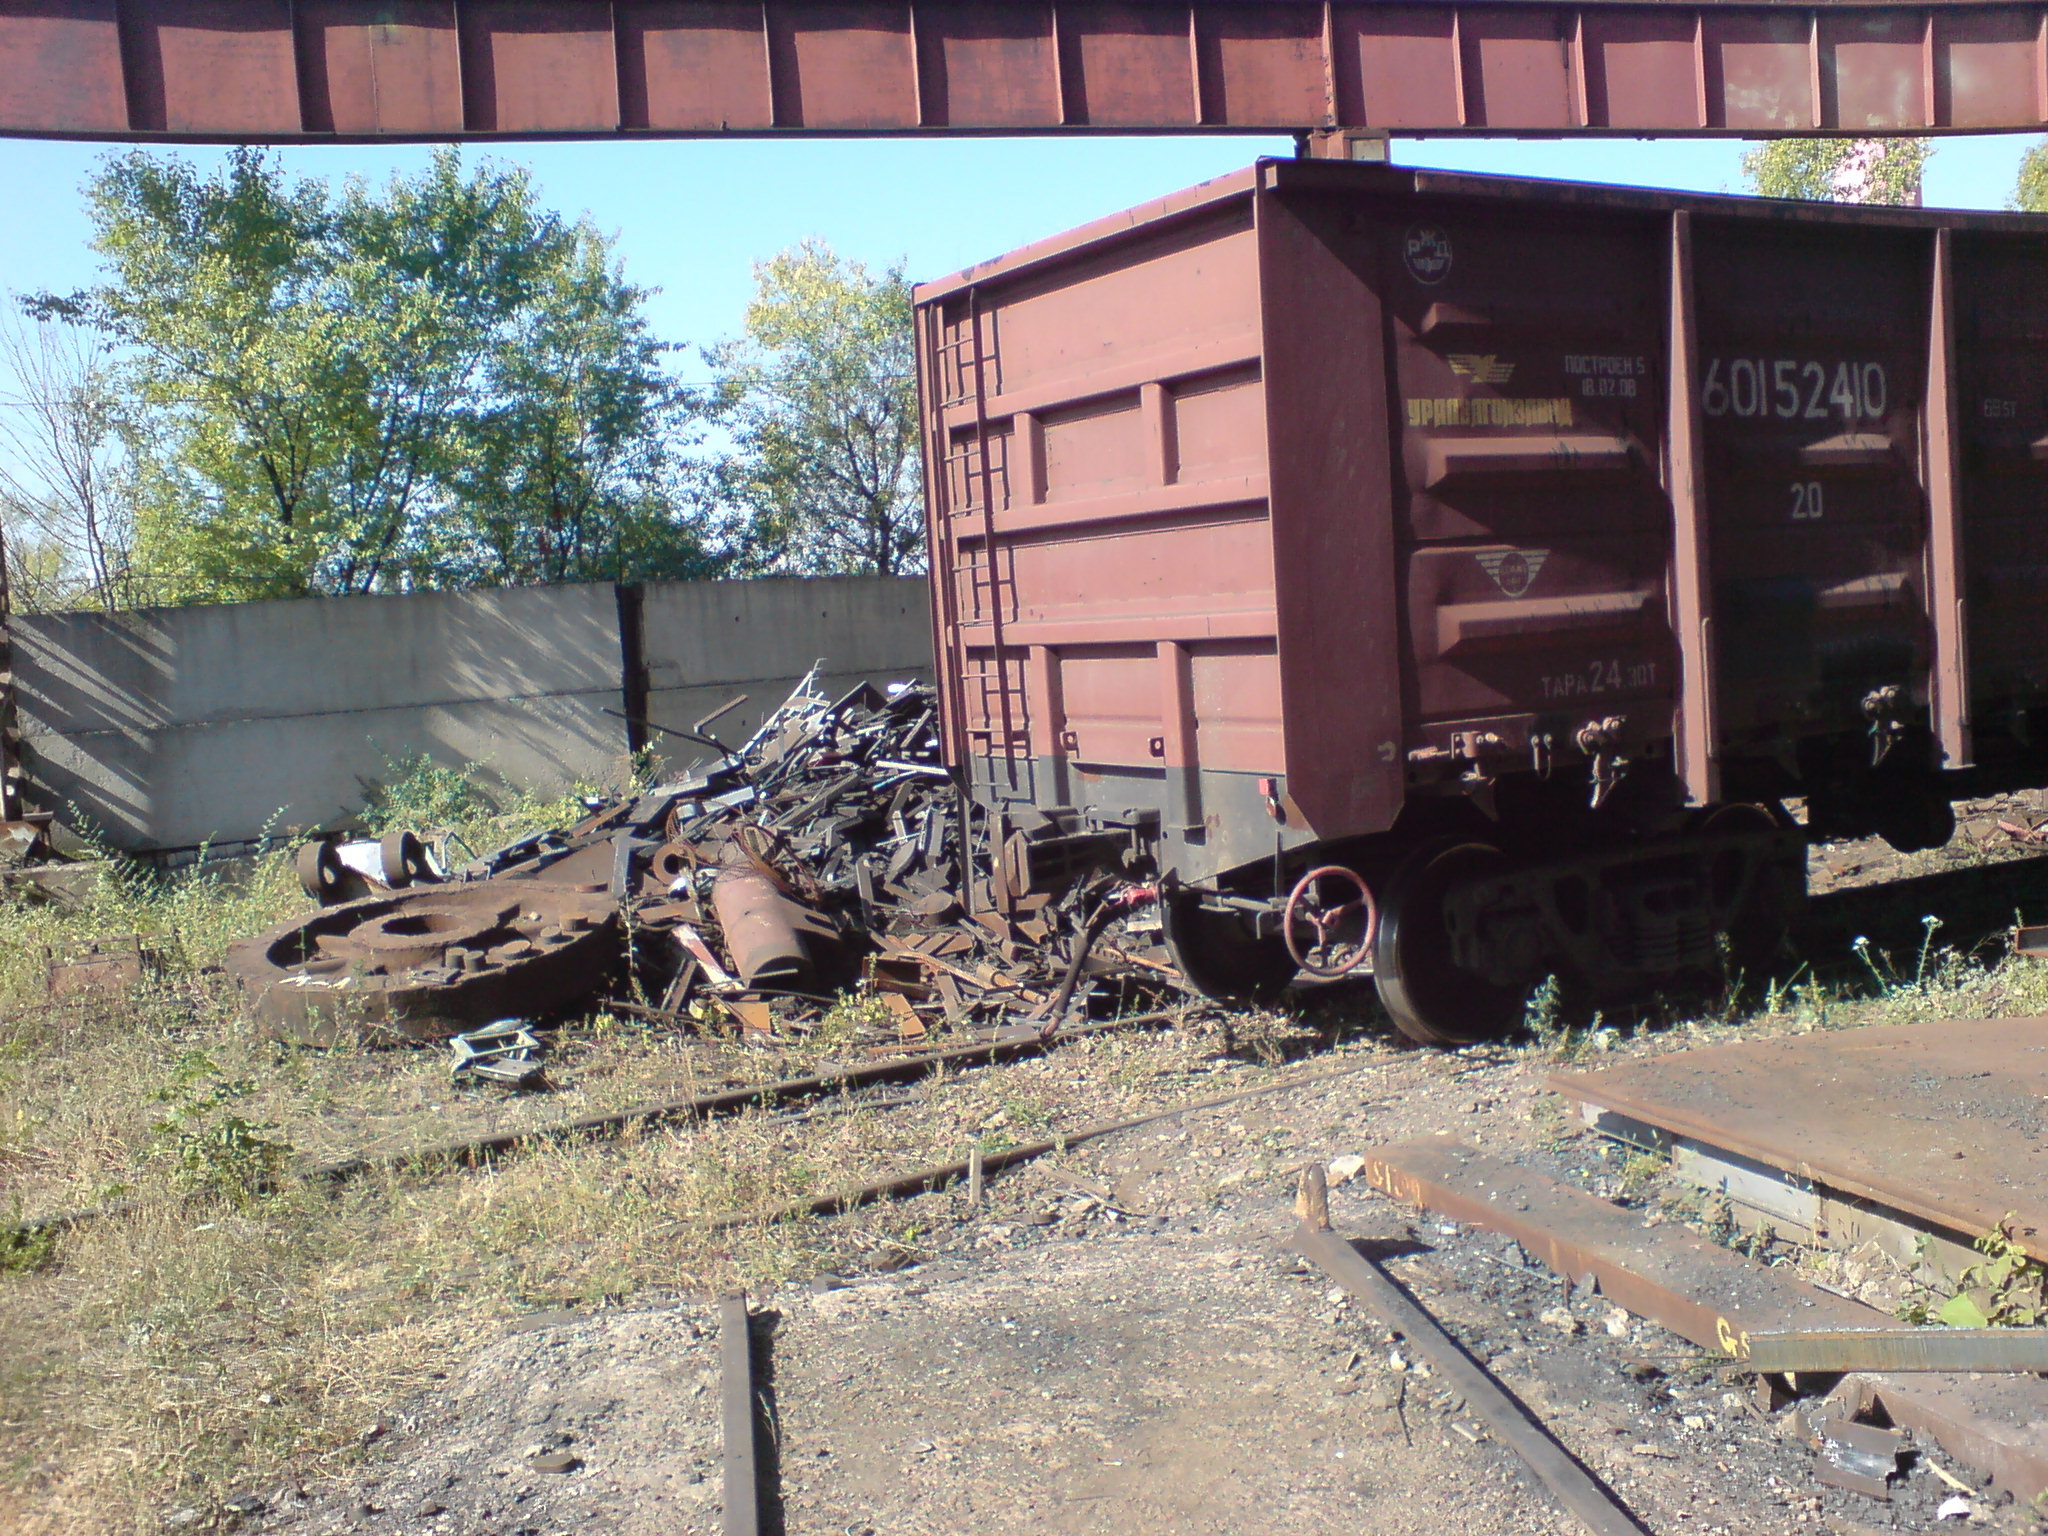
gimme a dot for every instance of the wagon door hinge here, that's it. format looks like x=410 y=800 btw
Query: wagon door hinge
x=1601 y=741
x=1887 y=725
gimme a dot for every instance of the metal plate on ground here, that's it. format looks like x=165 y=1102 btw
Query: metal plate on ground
x=1666 y=1273
x=1711 y=1295
x=1946 y=1121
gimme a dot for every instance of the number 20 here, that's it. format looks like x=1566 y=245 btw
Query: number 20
x=1805 y=501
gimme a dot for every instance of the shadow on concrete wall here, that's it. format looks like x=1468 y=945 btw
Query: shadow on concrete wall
x=167 y=728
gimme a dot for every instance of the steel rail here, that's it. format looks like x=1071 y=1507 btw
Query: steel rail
x=1575 y=1487
x=742 y=1448
x=923 y=1180
x=1709 y=1294
x=482 y=1149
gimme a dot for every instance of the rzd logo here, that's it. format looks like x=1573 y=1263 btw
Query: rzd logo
x=1514 y=571
x=1488 y=369
x=1427 y=251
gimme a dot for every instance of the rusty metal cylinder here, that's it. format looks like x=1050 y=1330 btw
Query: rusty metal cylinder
x=763 y=931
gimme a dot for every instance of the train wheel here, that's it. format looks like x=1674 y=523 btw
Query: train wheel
x=1916 y=816
x=1755 y=926
x=1219 y=957
x=1432 y=1000
x=406 y=861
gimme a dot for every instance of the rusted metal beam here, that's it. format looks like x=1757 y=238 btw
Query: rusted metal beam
x=1576 y=1488
x=1713 y=1296
x=742 y=1459
x=1841 y=1350
x=272 y=70
x=1695 y=1288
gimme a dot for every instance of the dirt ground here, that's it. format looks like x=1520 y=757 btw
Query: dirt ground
x=1988 y=830
x=1120 y=1336
x=1122 y=1341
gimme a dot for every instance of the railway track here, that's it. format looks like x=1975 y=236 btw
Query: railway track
x=479 y=1151
x=1972 y=907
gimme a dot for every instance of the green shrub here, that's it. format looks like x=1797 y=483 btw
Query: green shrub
x=419 y=792
x=212 y=1151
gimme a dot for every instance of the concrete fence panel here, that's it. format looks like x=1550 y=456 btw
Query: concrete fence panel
x=167 y=728
x=707 y=642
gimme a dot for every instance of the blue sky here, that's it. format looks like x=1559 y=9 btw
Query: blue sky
x=692 y=216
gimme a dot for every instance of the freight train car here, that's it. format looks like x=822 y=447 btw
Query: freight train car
x=1455 y=576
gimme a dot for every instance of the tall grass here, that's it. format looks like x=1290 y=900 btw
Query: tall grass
x=213 y=1341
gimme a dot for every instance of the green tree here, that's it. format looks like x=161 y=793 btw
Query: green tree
x=318 y=375
x=1839 y=170
x=820 y=400
x=37 y=578
x=570 y=463
x=2030 y=193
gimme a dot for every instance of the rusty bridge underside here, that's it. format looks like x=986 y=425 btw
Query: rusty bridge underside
x=312 y=70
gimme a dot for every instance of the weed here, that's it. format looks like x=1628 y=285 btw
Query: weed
x=419 y=792
x=1027 y=1111
x=1642 y=1172
x=1552 y=1125
x=1599 y=1037
x=1686 y=1203
x=1938 y=979
x=645 y=768
x=854 y=1015
x=1717 y=1218
x=23 y=1251
x=1801 y=995
x=1543 y=1017
x=1542 y=1014
x=212 y=1151
x=2007 y=1289
x=1755 y=1243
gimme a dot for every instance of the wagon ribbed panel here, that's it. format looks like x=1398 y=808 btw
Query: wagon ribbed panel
x=1283 y=502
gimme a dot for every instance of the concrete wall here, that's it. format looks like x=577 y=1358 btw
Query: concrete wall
x=175 y=726
x=168 y=728
x=709 y=641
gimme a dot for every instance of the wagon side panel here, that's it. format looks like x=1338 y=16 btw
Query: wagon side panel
x=1100 y=509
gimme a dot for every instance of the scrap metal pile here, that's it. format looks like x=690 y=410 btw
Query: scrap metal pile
x=827 y=871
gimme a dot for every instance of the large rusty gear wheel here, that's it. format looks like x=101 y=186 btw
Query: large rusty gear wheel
x=429 y=963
